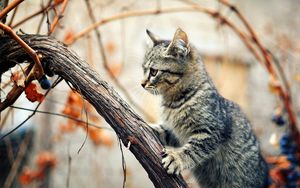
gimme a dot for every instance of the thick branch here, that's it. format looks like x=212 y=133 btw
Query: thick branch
x=127 y=124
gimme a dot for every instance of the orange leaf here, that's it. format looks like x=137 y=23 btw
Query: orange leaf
x=95 y=135
x=46 y=159
x=75 y=99
x=115 y=69
x=40 y=174
x=14 y=77
x=69 y=37
x=67 y=110
x=106 y=139
x=18 y=78
x=100 y=137
x=57 y=2
x=26 y=176
x=111 y=47
x=277 y=175
x=69 y=127
x=74 y=105
x=32 y=93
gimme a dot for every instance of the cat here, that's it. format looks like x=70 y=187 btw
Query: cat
x=210 y=135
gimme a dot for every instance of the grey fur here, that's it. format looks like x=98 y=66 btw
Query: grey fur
x=210 y=135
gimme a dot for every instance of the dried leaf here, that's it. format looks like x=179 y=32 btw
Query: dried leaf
x=69 y=37
x=277 y=175
x=32 y=94
x=100 y=137
x=26 y=176
x=115 y=69
x=111 y=47
x=69 y=127
x=46 y=159
x=95 y=136
x=73 y=108
x=74 y=105
x=57 y=2
x=18 y=78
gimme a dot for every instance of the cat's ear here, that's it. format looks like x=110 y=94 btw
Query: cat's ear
x=155 y=39
x=179 y=46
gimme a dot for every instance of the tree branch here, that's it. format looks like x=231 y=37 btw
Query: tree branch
x=129 y=127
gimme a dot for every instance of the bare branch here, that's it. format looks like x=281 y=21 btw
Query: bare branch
x=9 y=7
x=58 y=17
x=34 y=14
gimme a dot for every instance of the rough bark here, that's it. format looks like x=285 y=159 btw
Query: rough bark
x=126 y=123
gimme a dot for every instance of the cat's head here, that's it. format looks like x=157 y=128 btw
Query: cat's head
x=166 y=62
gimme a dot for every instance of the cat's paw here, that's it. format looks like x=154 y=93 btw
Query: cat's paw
x=172 y=161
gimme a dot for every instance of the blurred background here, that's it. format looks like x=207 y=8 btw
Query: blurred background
x=56 y=152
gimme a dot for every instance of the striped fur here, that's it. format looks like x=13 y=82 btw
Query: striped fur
x=210 y=135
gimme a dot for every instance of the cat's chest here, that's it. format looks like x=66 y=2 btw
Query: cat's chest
x=176 y=119
x=174 y=116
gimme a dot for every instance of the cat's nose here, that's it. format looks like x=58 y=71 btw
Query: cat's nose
x=143 y=84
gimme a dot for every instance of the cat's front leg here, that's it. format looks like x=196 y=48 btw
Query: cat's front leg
x=165 y=135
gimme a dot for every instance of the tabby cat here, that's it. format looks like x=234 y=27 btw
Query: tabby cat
x=210 y=135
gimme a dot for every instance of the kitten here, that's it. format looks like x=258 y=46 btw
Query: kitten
x=210 y=135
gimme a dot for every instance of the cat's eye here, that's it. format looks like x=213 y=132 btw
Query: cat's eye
x=153 y=72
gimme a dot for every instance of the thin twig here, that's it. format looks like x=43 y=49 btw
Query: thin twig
x=69 y=167
x=60 y=115
x=4 y=119
x=86 y=122
x=13 y=16
x=34 y=14
x=9 y=151
x=89 y=51
x=9 y=7
x=123 y=163
x=280 y=72
x=21 y=153
x=58 y=17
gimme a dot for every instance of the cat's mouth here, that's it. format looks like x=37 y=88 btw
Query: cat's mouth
x=152 y=90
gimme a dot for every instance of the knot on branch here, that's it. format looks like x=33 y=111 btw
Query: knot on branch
x=215 y=14
x=233 y=8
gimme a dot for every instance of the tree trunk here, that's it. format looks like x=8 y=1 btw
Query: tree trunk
x=126 y=123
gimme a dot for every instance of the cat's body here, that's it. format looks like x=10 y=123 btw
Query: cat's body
x=210 y=134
